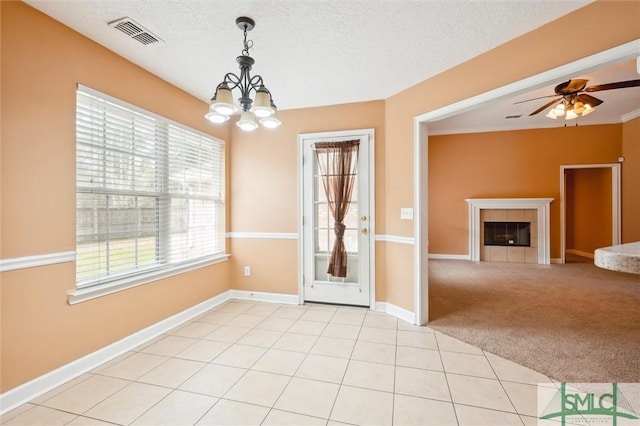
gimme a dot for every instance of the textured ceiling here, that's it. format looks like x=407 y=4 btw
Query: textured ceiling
x=310 y=53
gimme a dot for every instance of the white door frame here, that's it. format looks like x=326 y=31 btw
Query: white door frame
x=369 y=135
x=612 y=56
x=615 y=203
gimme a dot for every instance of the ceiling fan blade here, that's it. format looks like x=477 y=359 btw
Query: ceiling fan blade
x=535 y=99
x=545 y=106
x=588 y=99
x=609 y=86
x=571 y=86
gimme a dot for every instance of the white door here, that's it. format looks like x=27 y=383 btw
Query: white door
x=318 y=234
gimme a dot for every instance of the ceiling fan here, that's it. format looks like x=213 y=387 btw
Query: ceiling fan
x=572 y=100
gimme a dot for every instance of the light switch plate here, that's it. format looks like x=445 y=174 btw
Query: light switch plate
x=406 y=213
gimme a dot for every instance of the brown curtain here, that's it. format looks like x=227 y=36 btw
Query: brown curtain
x=338 y=170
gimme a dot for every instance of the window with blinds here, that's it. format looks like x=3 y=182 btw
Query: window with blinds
x=150 y=192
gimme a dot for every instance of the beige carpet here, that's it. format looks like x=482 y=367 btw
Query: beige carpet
x=574 y=322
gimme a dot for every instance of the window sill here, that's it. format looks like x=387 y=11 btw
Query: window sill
x=84 y=294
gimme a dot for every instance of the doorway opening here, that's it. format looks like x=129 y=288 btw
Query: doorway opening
x=589 y=210
x=618 y=54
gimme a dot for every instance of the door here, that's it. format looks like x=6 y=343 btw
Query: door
x=318 y=235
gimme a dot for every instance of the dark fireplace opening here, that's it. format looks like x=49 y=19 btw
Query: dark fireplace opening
x=507 y=234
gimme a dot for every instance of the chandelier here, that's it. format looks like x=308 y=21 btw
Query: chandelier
x=261 y=108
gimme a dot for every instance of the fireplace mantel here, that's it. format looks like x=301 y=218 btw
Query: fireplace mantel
x=539 y=204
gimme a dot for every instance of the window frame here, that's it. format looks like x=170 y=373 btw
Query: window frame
x=101 y=285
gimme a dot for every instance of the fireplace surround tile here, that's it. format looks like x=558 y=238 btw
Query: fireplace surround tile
x=515 y=215
x=531 y=215
x=498 y=215
x=534 y=234
x=530 y=254
x=497 y=253
x=516 y=254
x=533 y=210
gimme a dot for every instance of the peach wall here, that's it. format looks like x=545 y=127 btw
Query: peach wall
x=591 y=209
x=264 y=163
x=514 y=164
x=273 y=263
x=264 y=193
x=527 y=55
x=397 y=273
x=41 y=332
x=42 y=61
x=631 y=181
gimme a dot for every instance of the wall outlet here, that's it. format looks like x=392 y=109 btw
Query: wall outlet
x=247 y=271
x=406 y=213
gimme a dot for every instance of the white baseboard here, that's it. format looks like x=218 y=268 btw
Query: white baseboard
x=449 y=256
x=291 y=299
x=396 y=311
x=580 y=253
x=40 y=385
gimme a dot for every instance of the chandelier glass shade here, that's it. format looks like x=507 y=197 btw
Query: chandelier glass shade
x=260 y=109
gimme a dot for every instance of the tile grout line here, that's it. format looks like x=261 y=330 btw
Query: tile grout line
x=173 y=389
x=249 y=369
x=503 y=388
x=294 y=373
x=446 y=378
x=82 y=414
x=395 y=374
x=333 y=406
x=210 y=362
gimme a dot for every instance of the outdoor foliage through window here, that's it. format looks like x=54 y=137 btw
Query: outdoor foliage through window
x=150 y=192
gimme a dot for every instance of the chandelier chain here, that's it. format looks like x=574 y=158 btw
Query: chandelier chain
x=248 y=44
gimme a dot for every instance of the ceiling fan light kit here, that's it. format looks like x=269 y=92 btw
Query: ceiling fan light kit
x=573 y=102
x=261 y=107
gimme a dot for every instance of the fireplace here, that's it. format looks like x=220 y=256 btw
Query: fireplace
x=532 y=210
x=515 y=234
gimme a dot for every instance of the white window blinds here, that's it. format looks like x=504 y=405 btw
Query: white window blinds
x=150 y=192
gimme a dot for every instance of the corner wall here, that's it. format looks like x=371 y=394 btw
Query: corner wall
x=631 y=181
x=264 y=196
x=42 y=61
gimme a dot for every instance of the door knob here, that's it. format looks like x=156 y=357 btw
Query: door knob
x=364 y=230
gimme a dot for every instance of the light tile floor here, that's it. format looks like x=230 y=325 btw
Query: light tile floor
x=258 y=363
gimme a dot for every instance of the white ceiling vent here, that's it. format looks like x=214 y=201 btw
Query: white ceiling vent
x=134 y=30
